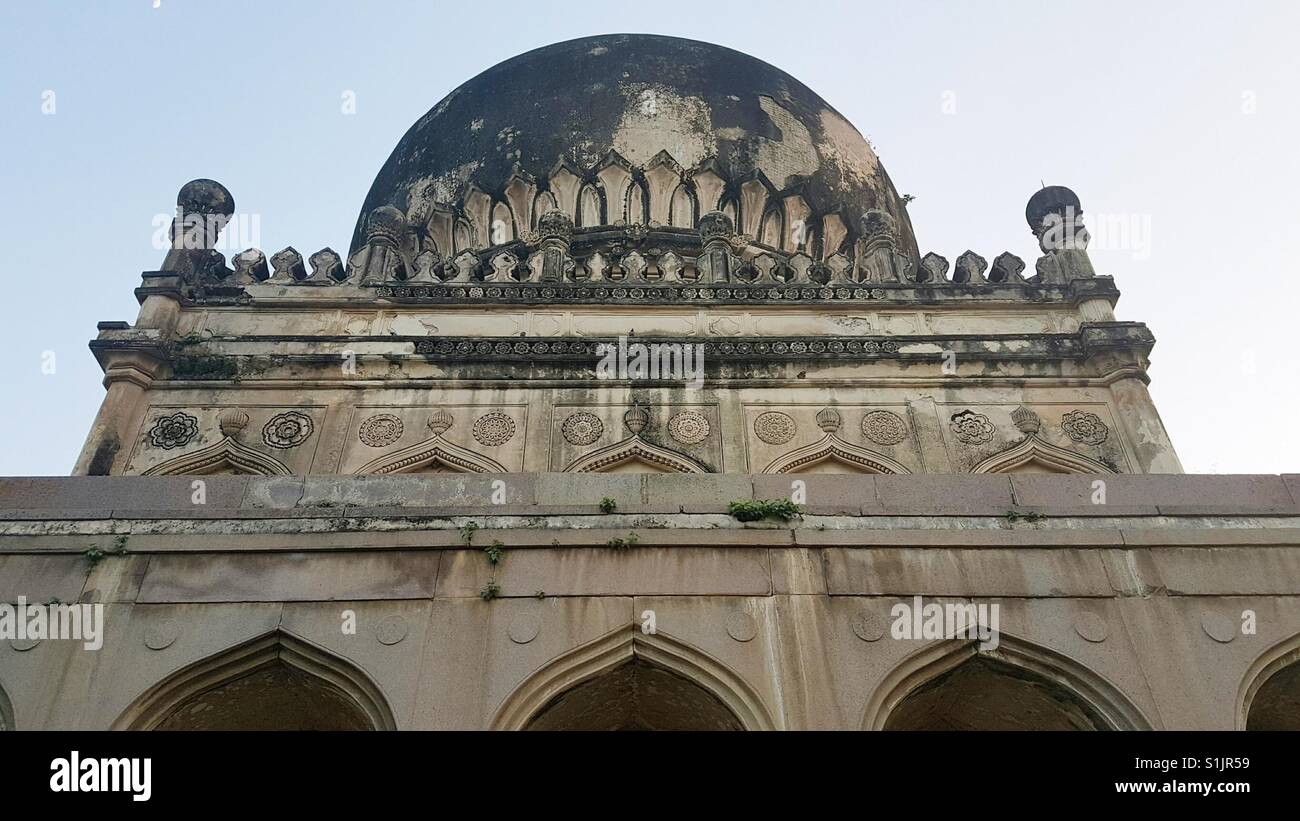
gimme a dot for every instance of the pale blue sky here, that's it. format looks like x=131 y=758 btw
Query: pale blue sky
x=1181 y=115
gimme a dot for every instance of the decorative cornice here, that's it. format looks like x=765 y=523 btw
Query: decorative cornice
x=586 y=349
x=328 y=293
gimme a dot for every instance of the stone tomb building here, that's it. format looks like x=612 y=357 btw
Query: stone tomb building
x=255 y=476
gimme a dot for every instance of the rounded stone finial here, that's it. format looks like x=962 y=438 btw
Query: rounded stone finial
x=440 y=422
x=203 y=207
x=636 y=419
x=232 y=421
x=1052 y=199
x=385 y=222
x=555 y=224
x=877 y=223
x=207 y=197
x=716 y=225
x=1026 y=421
x=828 y=419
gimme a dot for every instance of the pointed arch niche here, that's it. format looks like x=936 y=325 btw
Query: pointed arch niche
x=635 y=455
x=955 y=685
x=1034 y=455
x=435 y=455
x=630 y=680
x=274 y=682
x=224 y=457
x=831 y=454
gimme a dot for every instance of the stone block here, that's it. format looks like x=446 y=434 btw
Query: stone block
x=944 y=495
x=1075 y=495
x=972 y=572
x=40 y=578
x=112 y=492
x=587 y=489
x=826 y=495
x=461 y=490
x=696 y=494
x=603 y=571
x=1168 y=493
x=290 y=577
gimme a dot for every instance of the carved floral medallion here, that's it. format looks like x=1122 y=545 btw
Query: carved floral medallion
x=582 y=428
x=380 y=430
x=774 y=427
x=287 y=430
x=884 y=427
x=972 y=428
x=1085 y=428
x=173 y=431
x=494 y=429
x=689 y=427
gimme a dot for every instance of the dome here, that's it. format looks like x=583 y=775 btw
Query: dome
x=629 y=128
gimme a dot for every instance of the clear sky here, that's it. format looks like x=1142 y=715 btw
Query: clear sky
x=1179 y=121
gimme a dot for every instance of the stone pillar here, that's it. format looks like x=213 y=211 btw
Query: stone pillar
x=127 y=376
x=928 y=424
x=1096 y=310
x=1146 y=433
x=715 y=260
x=160 y=312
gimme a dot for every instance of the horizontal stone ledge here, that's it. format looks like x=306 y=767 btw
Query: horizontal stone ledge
x=83 y=497
x=1221 y=537
x=1035 y=539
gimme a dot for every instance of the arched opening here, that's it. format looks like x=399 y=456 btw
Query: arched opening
x=1270 y=694
x=683 y=208
x=1276 y=705
x=277 y=697
x=771 y=235
x=636 y=204
x=589 y=208
x=6 y=712
x=1019 y=685
x=274 y=682
x=984 y=694
x=629 y=680
x=636 y=695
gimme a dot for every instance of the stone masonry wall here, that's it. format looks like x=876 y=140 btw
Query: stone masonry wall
x=1136 y=603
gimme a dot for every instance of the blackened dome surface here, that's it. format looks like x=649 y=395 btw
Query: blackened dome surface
x=636 y=95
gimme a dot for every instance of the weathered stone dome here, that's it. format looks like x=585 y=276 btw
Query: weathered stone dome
x=630 y=128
